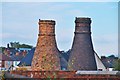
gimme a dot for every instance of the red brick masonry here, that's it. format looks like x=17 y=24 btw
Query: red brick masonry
x=66 y=75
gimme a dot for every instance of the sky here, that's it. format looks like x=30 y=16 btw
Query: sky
x=20 y=23
x=59 y=0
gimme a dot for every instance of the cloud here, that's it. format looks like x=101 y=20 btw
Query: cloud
x=21 y=24
x=24 y=38
x=11 y=35
x=106 y=43
x=107 y=39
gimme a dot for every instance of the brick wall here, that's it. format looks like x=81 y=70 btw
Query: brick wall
x=65 y=75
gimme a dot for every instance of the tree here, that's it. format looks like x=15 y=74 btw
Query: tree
x=2 y=49
x=25 y=46
x=18 y=45
x=14 y=44
x=112 y=56
x=117 y=65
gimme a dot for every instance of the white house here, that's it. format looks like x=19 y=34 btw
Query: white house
x=6 y=62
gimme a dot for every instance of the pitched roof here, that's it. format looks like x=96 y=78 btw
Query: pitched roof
x=27 y=60
x=4 y=57
x=63 y=61
x=17 y=57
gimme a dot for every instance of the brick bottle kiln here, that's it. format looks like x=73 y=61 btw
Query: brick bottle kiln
x=82 y=52
x=46 y=56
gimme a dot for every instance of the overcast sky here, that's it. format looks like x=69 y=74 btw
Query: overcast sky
x=20 y=22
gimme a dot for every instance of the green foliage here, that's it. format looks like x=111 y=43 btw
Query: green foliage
x=2 y=49
x=24 y=46
x=2 y=76
x=14 y=44
x=111 y=56
x=117 y=65
x=18 y=45
x=48 y=78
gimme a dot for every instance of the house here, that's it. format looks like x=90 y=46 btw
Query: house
x=99 y=63
x=23 y=49
x=27 y=60
x=5 y=62
x=109 y=61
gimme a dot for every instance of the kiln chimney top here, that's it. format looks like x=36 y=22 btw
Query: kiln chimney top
x=83 y=20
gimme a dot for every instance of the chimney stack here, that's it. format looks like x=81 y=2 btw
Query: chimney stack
x=82 y=52
x=46 y=55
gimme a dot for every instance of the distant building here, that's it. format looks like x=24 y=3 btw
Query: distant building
x=27 y=60
x=10 y=58
x=5 y=62
x=99 y=63
x=109 y=62
x=23 y=49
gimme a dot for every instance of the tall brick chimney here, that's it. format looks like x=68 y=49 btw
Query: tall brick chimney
x=46 y=56
x=82 y=53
